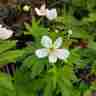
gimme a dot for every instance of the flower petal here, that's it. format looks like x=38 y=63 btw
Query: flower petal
x=43 y=7
x=5 y=33
x=51 y=14
x=46 y=42
x=58 y=42
x=41 y=53
x=52 y=58
x=62 y=54
x=0 y=26
x=39 y=12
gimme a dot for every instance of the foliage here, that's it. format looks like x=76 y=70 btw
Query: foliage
x=37 y=77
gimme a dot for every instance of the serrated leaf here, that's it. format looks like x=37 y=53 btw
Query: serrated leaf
x=37 y=65
x=10 y=56
x=5 y=45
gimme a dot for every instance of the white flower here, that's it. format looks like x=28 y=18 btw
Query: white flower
x=43 y=11
x=5 y=33
x=52 y=50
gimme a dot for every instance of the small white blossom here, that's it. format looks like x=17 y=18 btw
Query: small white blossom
x=70 y=32
x=43 y=11
x=56 y=31
x=5 y=33
x=26 y=8
x=52 y=50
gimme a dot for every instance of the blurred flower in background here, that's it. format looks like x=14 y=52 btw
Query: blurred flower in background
x=5 y=33
x=26 y=8
x=49 y=13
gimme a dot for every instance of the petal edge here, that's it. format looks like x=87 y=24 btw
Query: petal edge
x=41 y=53
x=46 y=42
x=63 y=54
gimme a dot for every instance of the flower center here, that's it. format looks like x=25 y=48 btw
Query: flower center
x=52 y=49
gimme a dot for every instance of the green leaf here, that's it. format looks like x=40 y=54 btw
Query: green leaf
x=7 y=88
x=80 y=34
x=10 y=56
x=6 y=45
x=36 y=29
x=37 y=65
x=92 y=44
x=68 y=73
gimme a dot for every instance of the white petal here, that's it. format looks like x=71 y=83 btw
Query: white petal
x=0 y=26
x=41 y=53
x=5 y=33
x=51 y=14
x=43 y=7
x=52 y=58
x=62 y=54
x=58 y=42
x=46 y=42
x=40 y=12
